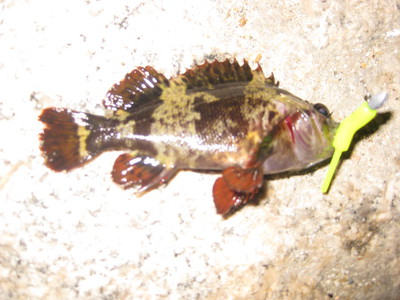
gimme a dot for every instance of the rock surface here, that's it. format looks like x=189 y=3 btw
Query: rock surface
x=79 y=236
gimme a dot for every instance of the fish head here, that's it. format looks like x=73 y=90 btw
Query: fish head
x=301 y=139
x=311 y=130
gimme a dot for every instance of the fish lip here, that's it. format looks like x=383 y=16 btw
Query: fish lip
x=331 y=127
x=327 y=133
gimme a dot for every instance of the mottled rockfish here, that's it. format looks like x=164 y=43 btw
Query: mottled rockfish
x=216 y=116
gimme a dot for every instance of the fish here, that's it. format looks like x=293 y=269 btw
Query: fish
x=217 y=116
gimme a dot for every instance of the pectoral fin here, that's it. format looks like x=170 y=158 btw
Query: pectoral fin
x=142 y=172
x=243 y=180
x=236 y=187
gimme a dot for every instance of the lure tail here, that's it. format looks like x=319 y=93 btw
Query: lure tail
x=70 y=138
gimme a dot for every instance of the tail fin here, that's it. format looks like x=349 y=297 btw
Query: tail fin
x=64 y=139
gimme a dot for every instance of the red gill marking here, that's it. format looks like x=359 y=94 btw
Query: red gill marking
x=290 y=125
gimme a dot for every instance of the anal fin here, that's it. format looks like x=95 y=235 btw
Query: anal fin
x=235 y=188
x=141 y=172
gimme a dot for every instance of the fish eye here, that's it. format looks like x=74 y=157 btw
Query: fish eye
x=322 y=109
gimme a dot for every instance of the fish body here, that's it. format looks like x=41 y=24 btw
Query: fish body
x=217 y=116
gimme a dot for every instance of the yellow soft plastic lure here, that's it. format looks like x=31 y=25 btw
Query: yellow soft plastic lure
x=348 y=127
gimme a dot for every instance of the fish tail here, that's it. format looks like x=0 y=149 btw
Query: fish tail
x=66 y=136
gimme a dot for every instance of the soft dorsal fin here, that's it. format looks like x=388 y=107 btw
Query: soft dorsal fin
x=144 y=85
x=138 y=87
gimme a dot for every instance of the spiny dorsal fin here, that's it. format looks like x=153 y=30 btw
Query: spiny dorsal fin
x=144 y=85
x=216 y=73
x=211 y=74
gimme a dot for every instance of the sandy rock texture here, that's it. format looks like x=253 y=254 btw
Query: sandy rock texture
x=80 y=236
